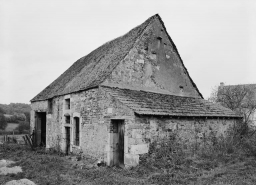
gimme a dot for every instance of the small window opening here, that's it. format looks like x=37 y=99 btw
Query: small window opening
x=67 y=104
x=67 y=119
x=77 y=131
x=165 y=46
x=181 y=88
x=159 y=42
x=50 y=106
x=153 y=52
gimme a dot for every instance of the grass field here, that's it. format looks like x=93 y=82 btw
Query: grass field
x=11 y=126
x=18 y=137
x=50 y=168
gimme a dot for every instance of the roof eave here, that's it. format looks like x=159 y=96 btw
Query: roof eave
x=44 y=99
x=190 y=116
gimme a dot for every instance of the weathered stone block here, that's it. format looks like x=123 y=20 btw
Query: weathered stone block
x=131 y=159
x=141 y=61
x=137 y=133
x=139 y=149
x=131 y=141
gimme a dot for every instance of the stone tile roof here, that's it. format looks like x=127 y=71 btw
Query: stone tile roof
x=91 y=70
x=149 y=103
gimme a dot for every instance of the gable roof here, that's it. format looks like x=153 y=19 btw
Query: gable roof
x=92 y=69
x=149 y=103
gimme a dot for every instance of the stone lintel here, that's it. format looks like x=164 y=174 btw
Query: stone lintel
x=121 y=117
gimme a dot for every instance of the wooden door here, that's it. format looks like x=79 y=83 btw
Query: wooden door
x=118 y=142
x=121 y=142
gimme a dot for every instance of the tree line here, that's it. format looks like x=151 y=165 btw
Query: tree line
x=15 y=113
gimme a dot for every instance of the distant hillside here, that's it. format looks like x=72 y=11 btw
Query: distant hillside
x=13 y=108
x=15 y=116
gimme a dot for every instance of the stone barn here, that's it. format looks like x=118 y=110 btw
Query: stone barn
x=125 y=94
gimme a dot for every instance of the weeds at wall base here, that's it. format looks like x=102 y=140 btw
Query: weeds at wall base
x=230 y=160
x=171 y=161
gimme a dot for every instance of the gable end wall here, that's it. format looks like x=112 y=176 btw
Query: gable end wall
x=153 y=65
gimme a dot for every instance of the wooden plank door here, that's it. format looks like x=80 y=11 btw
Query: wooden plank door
x=118 y=142
x=121 y=142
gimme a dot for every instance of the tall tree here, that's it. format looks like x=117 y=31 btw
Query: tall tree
x=239 y=98
x=2 y=111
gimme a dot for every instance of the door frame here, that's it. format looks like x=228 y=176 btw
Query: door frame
x=76 y=115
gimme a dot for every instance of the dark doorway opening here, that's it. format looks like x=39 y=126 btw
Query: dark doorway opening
x=40 y=129
x=118 y=142
x=76 y=131
x=67 y=131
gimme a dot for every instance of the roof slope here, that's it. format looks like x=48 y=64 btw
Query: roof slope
x=91 y=70
x=149 y=103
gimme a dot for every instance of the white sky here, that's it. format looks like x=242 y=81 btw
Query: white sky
x=39 y=40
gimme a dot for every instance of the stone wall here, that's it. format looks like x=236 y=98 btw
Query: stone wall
x=153 y=64
x=146 y=129
x=96 y=110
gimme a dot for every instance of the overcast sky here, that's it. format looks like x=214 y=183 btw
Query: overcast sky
x=39 y=40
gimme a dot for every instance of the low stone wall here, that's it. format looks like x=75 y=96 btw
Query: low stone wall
x=147 y=129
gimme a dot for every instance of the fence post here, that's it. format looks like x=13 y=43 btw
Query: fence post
x=29 y=141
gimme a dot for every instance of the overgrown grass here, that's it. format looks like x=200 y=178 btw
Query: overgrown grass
x=229 y=160
x=53 y=168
